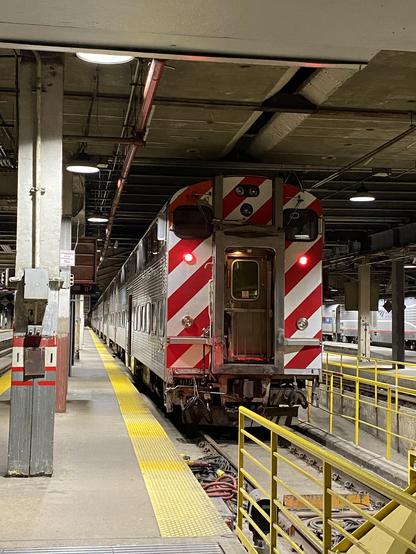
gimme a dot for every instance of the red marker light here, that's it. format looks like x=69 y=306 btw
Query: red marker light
x=303 y=260
x=189 y=258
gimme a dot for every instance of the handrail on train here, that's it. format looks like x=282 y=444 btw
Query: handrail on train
x=358 y=391
x=271 y=520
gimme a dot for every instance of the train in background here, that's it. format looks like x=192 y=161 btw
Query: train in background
x=220 y=303
x=341 y=325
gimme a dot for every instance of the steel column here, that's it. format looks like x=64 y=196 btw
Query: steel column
x=364 y=314
x=397 y=285
x=37 y=266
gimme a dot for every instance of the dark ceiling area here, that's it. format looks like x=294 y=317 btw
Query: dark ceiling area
x=327 y=129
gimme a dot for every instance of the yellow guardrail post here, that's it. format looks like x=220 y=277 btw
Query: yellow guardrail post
x=331 y=401
x=273 y=491
x=357 y=411
x=240 y=480
x=327 y=507
x=396 y=382
x=376 y=383
x=388 y=424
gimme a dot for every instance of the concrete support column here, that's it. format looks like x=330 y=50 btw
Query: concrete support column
x=62 y=369
x=397 y=284
x=38 y=280
x=364 y=313
x=79 y=325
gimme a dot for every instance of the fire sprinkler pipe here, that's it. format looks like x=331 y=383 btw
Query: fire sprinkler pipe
x=152 y=82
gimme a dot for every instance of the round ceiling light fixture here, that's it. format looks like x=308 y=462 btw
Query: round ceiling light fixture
x=98 y=218
x=362 y=195
x=104 y=59
x=82 y=164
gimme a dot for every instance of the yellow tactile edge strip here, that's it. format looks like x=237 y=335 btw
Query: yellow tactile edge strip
x=5 y=381
x=181 y=507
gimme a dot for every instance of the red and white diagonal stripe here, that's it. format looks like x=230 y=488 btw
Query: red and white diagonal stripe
x=303 y=289
x=188 y=287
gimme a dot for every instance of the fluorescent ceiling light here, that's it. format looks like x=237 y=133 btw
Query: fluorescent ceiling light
x=409 y=266
x=106 y=59
x=362 y=195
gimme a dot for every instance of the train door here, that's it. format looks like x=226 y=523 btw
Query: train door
x=248 y=309
x=129 y=328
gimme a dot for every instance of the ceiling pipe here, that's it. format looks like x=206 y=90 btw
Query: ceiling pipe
x=364 y=158
x=152 y=82
x=104 y=140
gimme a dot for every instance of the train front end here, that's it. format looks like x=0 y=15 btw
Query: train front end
x=244 y=282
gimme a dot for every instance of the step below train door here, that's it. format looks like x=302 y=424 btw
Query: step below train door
x=248 y=309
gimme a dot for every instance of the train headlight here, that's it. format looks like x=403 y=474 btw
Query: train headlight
x=187 y=321
x=189 y=258
x=302 y=323
x=240 y=191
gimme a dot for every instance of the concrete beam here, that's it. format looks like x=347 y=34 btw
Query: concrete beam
x=317 y=90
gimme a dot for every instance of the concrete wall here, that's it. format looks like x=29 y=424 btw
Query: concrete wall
x=401 y=424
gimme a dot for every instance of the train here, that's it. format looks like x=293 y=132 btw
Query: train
x=220 y=303
x=341 y=325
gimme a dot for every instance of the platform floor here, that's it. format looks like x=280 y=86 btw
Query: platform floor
x=98 y=494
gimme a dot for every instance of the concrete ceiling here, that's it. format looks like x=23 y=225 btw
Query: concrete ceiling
x=322 y=29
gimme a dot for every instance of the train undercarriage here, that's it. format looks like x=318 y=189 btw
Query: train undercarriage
x=214 y=400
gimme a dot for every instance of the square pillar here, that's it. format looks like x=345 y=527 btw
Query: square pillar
x=364 y=313
x=38 y=280
x=397 y=285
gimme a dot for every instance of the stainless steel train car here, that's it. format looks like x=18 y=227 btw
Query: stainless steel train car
x=341 y=325
x=220 y=302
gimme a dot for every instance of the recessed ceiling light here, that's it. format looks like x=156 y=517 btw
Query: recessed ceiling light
x=362 y=195
x=106 y=59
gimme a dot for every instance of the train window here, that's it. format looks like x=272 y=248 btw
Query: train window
x=161 y=329
x=191 y=222
x=154 y=318
x=245 y=280
x=148 y=316
x=300 y=225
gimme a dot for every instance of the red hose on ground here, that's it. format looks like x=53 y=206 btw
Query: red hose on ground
x=224 y=487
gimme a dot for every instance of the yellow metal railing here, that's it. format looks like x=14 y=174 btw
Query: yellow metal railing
x=366 y=387
x=267 y=471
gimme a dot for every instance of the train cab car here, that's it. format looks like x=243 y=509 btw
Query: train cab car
x=223 y=300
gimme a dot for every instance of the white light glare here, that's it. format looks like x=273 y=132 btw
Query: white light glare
x=82 y=168
x=98 y=219
x=103 y=58
x=362 y=198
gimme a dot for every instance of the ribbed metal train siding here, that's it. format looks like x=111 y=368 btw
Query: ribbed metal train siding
x=149 y=286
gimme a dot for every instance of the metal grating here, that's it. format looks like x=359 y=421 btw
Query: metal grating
x=177 y=548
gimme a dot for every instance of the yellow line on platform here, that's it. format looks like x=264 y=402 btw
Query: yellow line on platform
x=5 y=382
x=181 y=507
